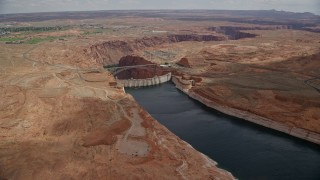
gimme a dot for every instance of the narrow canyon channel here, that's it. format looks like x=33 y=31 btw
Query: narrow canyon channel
x=247 y=150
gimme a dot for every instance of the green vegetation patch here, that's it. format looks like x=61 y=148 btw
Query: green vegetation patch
x=32 y=29
x=39 y=40
x=34 y=40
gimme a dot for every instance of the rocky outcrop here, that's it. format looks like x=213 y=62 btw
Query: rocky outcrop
x=184 y=62
x=181 y=84
x=139 y=72
x=133 y=60
x=193 y=61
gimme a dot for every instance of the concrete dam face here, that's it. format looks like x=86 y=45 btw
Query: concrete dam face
x=144 y=82
x=135 y=71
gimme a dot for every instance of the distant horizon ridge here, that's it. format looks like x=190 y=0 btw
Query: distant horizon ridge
x=71 y=11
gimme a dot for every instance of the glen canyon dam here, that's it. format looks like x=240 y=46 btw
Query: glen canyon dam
x=162 y=94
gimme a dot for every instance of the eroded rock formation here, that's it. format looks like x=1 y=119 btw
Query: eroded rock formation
x=184 y=62
x=140 y=72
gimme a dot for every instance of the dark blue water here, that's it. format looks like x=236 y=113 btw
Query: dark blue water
x=247 y=150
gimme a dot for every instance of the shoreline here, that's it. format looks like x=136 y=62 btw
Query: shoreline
x=293 y=131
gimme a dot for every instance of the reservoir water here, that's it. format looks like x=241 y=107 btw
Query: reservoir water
x=247 y=150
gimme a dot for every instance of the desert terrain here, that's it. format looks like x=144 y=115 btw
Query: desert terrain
x=63 y=116
x=262 y=76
